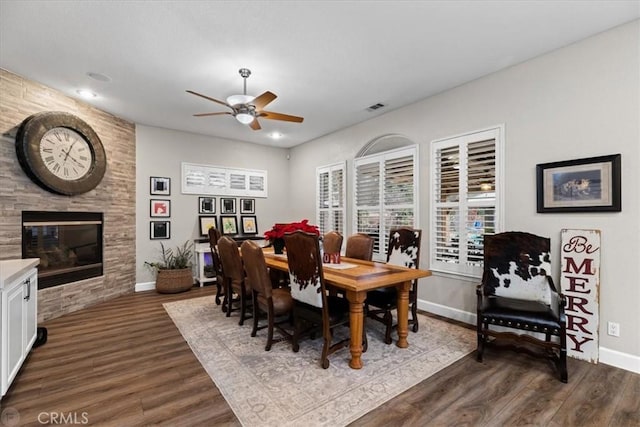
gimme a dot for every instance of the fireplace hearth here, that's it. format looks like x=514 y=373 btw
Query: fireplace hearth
x=69 y=245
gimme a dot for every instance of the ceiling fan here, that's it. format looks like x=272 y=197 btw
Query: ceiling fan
x=246 y=109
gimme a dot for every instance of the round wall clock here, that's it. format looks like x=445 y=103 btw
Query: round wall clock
x=61 y=153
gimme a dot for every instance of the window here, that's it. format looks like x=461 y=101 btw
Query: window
x=466 y=199
x=331 y=198
x=385 y=189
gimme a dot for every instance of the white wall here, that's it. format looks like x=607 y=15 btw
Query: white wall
x=160 y=152
x=576 y=102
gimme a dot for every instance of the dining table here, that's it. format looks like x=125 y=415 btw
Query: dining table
x=355 y=278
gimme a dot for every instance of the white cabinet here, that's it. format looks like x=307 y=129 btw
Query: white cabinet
x=18 y=315
x=204 y=264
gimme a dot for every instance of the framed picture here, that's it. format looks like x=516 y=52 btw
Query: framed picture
x=582 y=185
x=229 y=224
x=207 y=222
x=160 y=186
x=249 y=224
x=160 y=208
x=227 y=206
x=206 y=205
x=247 y=206
x=160 y=230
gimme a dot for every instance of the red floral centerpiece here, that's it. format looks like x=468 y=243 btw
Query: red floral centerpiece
x=276 y=234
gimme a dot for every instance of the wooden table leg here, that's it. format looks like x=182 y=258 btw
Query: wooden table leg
x=356 y=322
x=403 y=314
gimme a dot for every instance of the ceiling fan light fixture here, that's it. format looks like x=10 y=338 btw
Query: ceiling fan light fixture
x=234 y=100
x=244 y=118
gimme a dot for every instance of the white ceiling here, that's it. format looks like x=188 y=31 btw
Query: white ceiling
x=326 y=61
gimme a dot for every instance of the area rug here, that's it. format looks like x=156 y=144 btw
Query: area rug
x=283 y=388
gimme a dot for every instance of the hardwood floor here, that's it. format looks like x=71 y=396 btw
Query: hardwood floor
x=124 y=363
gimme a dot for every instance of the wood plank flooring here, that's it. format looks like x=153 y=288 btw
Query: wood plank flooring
x=124 y=363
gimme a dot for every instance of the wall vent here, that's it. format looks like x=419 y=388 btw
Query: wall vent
x=375 y=107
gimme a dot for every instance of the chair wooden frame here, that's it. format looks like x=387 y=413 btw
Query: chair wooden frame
x=385 y=300
x=274 y=302
x=305 y=270
x=214 y=236
x=234 y=278
x=523 y=252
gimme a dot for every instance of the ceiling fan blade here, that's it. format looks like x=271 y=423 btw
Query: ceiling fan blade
x=260 y=101
x=279 y=116
x=255 y=125
x=209 y=98
x=211 y=114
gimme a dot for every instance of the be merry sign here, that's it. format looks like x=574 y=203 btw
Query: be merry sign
x=580 y=283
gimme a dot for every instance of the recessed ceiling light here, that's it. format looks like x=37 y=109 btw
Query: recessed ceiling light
x=99 y=77
x=85 y=93
x=276 y=135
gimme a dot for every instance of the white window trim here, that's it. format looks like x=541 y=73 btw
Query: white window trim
x=496 y=132
x=380 y=157
x=330 y=168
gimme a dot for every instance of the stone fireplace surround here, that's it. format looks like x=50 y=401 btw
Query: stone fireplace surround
x=115 y=196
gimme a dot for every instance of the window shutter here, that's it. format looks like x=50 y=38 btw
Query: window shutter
x=385 y=187
x=330 y=198
x=464 y=200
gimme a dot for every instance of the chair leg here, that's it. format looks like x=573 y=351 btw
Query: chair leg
x=229 y=299
x=296 y=334
x=243 y=306
x=414 y=317
x=325 y=349
x=218 y=292
x=480 y=349
x=388 y=320
x=255 y=315
x=562 y=358
x=270 y=316
x=365 y=342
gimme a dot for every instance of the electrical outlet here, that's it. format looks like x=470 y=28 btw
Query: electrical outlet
x=613 y=329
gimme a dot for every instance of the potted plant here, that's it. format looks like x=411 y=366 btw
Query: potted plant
x=275 y=236
x=173 y=271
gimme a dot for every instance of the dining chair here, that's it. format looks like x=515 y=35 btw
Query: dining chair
x=276 y=303
x=332 y=242
x=403 y=249
x=517 y=292
x=313 y=307
x=359 y=246
x=214 y=236
x=234 y=277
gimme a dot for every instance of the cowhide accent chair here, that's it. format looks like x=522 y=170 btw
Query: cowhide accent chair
x=276 y=303
x=234 y=278
x=517 y=292
x=313 y=309
x=359 y=246
x=214 y=236
x=332 y=242
x=404 y=250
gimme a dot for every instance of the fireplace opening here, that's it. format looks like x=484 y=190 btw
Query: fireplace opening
x=69 y=245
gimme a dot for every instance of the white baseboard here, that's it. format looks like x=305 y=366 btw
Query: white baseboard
x=448 y=312
x=620 y=360
x=607 y=356
x=147 y=286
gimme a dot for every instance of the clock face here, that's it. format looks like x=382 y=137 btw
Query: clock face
x=61 y=153
x=65 y=153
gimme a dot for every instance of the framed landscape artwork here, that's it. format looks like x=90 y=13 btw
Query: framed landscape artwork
x=582 y=185
x=207 y=222
x=229 y=224
x=249 y=225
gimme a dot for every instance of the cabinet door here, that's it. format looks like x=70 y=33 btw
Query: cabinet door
x=15 y=331
x=30 y=310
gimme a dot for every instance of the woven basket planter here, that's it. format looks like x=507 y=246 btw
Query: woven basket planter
x=174 y=281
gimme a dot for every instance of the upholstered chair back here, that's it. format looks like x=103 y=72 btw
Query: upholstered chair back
x=359 y=246
x=256 y=268
x=214 y=236
x=516 y=265
x=231 y=261
x=332 y=242
x=404 y=247
x=305 y=268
